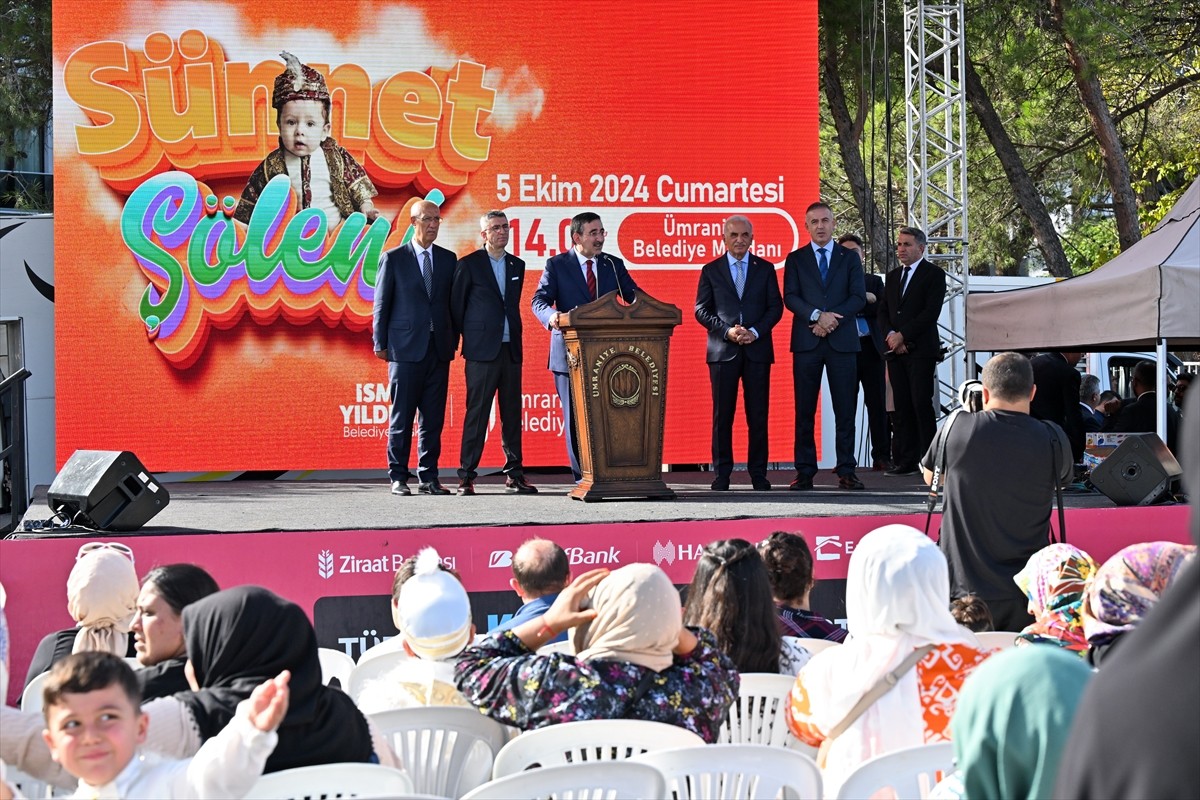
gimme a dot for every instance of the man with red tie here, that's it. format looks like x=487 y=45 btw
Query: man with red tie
x=578 y=276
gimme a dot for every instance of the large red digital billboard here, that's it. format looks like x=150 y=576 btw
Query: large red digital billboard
x=202 y=342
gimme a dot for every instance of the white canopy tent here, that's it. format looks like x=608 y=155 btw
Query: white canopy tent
x=1148 y=296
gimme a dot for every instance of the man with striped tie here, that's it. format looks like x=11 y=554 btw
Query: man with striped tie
x=578 y=276
x=738 y=301
x=414 y=333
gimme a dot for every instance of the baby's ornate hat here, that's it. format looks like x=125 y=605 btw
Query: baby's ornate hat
x=298 y=82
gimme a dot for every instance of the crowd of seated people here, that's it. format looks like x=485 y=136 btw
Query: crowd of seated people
x=231 y=686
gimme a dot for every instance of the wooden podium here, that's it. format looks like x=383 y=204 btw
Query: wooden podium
x=618 y=359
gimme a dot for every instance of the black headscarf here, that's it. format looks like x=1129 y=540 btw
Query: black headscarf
x=241 y=637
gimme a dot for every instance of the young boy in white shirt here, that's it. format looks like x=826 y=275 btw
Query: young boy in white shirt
x=94 y=725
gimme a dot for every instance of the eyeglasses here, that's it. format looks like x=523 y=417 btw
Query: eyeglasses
x=428 y=220
x=117 y=547
x=497 y=228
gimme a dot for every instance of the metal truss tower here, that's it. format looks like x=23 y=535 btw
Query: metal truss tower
x=936 y=161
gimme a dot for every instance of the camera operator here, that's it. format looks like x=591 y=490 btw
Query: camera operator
x=1001 y=467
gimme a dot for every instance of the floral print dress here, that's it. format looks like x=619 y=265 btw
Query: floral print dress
x=518 y=687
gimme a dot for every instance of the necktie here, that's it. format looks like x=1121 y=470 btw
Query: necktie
x=904 y=280
x=740 y=280
x=591 y=280
x=427 y=274
x=823 y=264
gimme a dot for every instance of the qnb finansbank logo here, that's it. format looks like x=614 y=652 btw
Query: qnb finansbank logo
x=330 y=564
x=577 y=556
x=670 y=552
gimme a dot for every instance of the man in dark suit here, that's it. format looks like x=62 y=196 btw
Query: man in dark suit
x=1140 y=415
x=912 y=302
x=1089 y=398
x=413 y=333
x=578 y=276
x=1057 y=397
x=485 y=303
x=738 y=301
x=871 y=368
x=823 y=285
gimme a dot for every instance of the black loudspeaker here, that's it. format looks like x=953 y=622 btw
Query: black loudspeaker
x=1138 y=471
x=106 y=490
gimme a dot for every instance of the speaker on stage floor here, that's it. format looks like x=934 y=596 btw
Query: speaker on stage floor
x=106 y=490
x=1138 y=471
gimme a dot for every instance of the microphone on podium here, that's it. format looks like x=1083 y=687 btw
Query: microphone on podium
x=617 y=278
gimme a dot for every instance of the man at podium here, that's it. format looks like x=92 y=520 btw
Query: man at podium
x=572 y=279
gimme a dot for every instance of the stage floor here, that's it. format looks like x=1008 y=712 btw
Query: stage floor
x=254 y=506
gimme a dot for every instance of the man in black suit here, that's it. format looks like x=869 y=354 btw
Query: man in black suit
x=1089 y=398
x=912 y=302
x=871 y=367
x=738 y=301
x=485 y=303
x=1057 y=398
x=413 y=333
x=823 y=285
x=1140 y=415
x=578 y=276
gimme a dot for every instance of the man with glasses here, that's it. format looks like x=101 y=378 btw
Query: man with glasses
x=413 y=333
x=571 y=279
x=485 y=303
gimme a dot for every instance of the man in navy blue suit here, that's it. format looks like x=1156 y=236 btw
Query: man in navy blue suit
x=485 y=303
x=738 y=301
x=578 y=276
x=413 y=333
x=871 y=368
x=822 y=287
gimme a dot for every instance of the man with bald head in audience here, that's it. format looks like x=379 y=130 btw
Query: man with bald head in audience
x=541 y=570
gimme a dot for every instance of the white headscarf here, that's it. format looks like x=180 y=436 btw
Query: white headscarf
x=638 y=618
x=102 y=592
x=897 y=599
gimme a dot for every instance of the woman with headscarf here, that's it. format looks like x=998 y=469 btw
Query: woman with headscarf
x=158 y=626
x=1054 y=580
x=1125 y=588
x=236 y=639
x=633 y=659
x=897 y=587
x=730 y=595
x=102 y=592
x=1012 y=723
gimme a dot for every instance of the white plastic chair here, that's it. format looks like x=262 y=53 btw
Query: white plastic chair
x=592 y=740
x=370 y=670
x=335 y=664
x=760 y=714
x=27 y=785
x=31 y=698
x=602 y=780
x=330 y=781
x=736 y=772
x=910 y=773
x=813 y=646
x=447 y=750
x=993 y=640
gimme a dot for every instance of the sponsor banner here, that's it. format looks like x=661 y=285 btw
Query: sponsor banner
x=306 y=566
x=234 y=305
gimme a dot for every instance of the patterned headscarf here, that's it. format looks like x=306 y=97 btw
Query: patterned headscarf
x=1128 y=585
x=1054 y=581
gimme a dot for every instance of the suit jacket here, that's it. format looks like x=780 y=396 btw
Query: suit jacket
x=843 y=292
x=718 y=308
x=562 y=287
x=870 y=312
x=479 y=309
x=1057 y=397
x=915 y=315
x=403 y=310
x=1141 y=416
